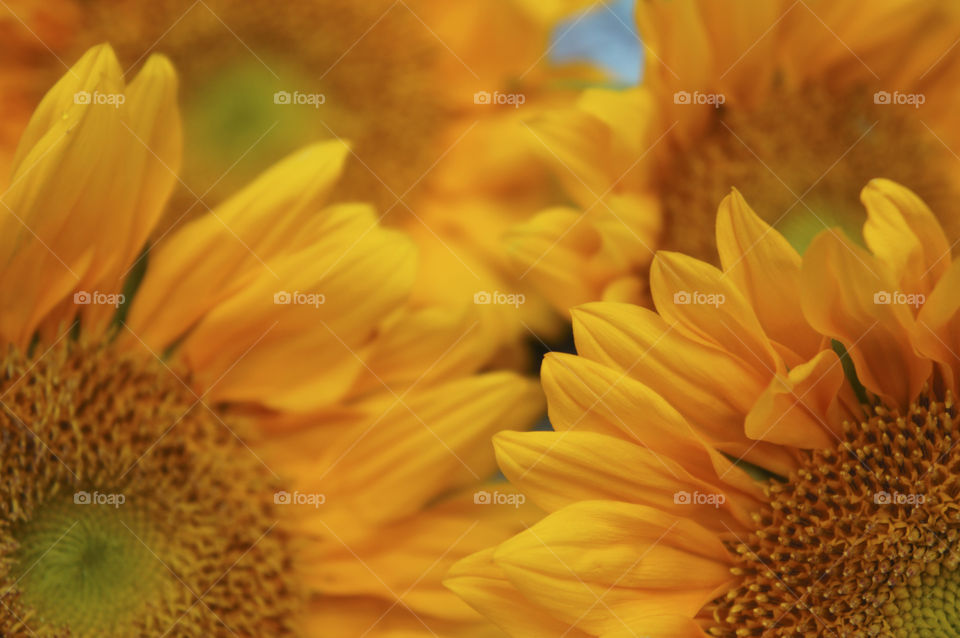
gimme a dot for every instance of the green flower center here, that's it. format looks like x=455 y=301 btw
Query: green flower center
x=128 y=509
x=83 y=564
x=246 y=118
x=929 y=606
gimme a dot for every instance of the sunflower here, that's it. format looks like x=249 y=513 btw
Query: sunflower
x=792 y=102
x=244 y=430
x=770 y=453
x=399 y=79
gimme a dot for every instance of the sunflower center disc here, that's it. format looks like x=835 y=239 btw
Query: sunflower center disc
x=128 y=508
x=77 y=565
x=863 y=540
x=374 y=63
x=800 y=153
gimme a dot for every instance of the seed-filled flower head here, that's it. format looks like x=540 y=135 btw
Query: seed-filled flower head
x=797 y=104
x=772 y=452
x=242 y=429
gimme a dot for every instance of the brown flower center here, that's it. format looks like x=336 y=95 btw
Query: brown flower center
x=128 y=507
x=862 y=541
x=802 y=157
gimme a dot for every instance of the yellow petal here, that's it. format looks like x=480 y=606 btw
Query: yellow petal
x=561 y=468
x=370 y=617
x=600 y=564
x=902 y=232
x=554 y=250
x=423 y=444
x=296 y=336
x=640 y=344
x=410 y=568
x=585 y=396
x=81 y=182
x=847 y=297
x=419 y=347
x=706 y=305
x=210 y=259
x=938 y=325
x=661 y=627
x=766 y=269
x=153 y=119
x=800 y=409
x=478 y=580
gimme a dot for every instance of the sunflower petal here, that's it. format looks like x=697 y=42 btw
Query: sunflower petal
x=766 y=269
x=211 y=258
x=847 y=297
x=601 y=564
x=639 y=344
x=798 y=410
x=696 y=296
x=305 y=350
x=560 y=468
x=587 y=396
x=905 y=235
x=79 y=176
x=421 y=445
x=483 y=584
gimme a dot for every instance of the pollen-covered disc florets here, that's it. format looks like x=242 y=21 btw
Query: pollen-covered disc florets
x=129 y=507
x=862 y=540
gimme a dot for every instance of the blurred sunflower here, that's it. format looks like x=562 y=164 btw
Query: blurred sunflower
x=771 y=453
x=245 y=430
x=396 y=78
x=792 y=102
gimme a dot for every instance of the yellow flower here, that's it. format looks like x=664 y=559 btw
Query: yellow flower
x=770 y=453
x=400 y=80
x=243 y=430
x=792 y=102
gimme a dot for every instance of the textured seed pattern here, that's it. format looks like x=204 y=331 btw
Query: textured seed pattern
x=194 y=538
x=862 y=541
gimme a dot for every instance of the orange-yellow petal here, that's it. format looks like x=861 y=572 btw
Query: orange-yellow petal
x=902 y=232
x=766 y=269
x=847 y=297
x=561 y=468
x=484 y=586
x=600 y=564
